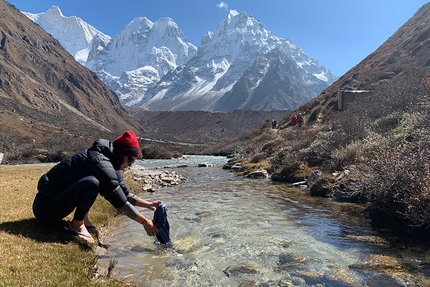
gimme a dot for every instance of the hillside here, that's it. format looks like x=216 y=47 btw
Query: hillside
x=44 y=92
x=200 y=127
x=399 y=66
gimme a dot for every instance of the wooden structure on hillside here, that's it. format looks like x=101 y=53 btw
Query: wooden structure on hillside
x=346 y=96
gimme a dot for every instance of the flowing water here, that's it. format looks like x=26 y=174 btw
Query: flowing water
x=231 y=231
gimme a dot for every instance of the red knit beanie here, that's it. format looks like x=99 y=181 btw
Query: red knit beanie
x=127 y=144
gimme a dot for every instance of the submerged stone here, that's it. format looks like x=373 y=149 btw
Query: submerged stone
x=241 y=268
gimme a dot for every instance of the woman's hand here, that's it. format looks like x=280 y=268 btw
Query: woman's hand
x=150 y=228
x=147 y=204
x=154 y=204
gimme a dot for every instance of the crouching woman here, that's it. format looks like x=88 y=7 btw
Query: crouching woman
x=75 y=182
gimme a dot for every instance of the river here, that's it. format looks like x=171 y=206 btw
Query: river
x=232 y=231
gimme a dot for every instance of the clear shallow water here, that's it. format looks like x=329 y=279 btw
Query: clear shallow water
x=232 y=231
x=189 y=160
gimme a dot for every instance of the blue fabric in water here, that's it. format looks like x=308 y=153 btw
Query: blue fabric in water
x=160 y=220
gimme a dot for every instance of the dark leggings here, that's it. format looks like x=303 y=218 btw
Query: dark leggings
x=80 y=195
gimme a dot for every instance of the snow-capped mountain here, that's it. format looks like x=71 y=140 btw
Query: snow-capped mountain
x=223 y=57
x=139 y=56
x=74 y=34
x=152 y=66
x=259 y=87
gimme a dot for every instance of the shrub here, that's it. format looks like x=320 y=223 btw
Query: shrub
x=400 y=186
x=256 y=158
x=321 y=187
x=159 y=151
x=350 y=154
x=293 y=172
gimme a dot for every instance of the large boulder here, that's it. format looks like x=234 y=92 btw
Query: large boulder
x=261 y=173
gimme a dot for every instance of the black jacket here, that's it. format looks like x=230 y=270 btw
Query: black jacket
x=95 y=161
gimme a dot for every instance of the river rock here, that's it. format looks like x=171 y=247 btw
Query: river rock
x=261 y=173
x=236 y=166
x=378 y=262
x=204 y=164
x=306 y=278
x=351 y=190
x=288 y=260
x=186 y=244
x=285 y=243
x=314 y=175
x=300 y=183
x=241 y=268
x=395 y=280
x=338 y=276
x=342 y=175
x=249 y=283
x=227 y=165
x=151 y=179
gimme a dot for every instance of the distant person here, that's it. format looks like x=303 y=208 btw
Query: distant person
x=300 y=120
x=274 y=124
x=75 y=182
x=294 y=121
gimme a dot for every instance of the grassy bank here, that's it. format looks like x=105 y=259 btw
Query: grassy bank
x=35 y=254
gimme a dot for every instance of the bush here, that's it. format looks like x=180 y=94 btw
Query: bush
x=53 y=149
x=400 y=186
x=256 y=158
x=350 y=154
x=322 y=187
x=294 y=172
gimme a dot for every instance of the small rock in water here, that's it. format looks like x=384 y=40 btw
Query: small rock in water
x=241 y=268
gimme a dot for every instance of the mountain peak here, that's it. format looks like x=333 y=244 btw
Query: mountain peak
x=151 y=64
x=139 y=24
x=55 y=10
x=74 y=34
x=232 y=13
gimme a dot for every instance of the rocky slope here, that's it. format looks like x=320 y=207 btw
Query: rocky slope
x=400 y=66
x=44 y=91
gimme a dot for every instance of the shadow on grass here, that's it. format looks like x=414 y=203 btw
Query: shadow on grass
x=40 y=231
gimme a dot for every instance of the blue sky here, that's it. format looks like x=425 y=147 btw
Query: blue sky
x=336 y=33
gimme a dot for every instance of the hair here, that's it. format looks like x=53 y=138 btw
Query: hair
x=116 y=160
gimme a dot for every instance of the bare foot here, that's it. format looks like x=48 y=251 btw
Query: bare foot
x=87 y=222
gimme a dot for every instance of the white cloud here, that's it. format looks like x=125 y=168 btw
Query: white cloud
x=222 y=5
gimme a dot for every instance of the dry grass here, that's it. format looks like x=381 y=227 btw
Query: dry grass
x=34 y=254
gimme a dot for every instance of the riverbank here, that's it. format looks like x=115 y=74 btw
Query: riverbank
x=34 y=254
